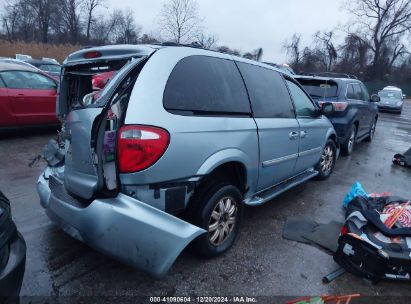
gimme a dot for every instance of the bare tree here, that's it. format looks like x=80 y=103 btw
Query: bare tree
x=256 y=54
x=179 y=20
x=227 y=50
x=325 y=48
x=44 y=10
x=148 y=39
x=381 y=21
x=206 y=41
x=70 y=18
x=293 y=49
x=91 y=6
x=10 y=17
x=125 y=29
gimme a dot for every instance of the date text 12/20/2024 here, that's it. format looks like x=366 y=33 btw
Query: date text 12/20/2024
x=239 y=299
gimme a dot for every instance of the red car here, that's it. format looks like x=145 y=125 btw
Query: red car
x=27 y=96
x=100 y=80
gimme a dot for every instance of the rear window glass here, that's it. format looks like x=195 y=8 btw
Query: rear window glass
x=268 y=93
x=319 y=89
x=206 y=85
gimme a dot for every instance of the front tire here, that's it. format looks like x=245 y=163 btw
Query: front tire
x=219 y=212
x=348 y=146
x=327 y=161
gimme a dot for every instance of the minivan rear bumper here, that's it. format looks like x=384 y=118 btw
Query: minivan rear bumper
x=122 y=227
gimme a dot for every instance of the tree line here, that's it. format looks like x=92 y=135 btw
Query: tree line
x=373 y=45
x=83 y=22
x=90 y=22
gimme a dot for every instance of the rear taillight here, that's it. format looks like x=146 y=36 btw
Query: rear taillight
x=139 y=147
x=339 y=106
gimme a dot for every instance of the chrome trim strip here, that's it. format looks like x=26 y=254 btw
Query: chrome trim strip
x=311 y=151
x=276 y=161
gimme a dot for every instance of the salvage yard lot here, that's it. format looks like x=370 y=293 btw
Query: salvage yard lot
x=261 y=263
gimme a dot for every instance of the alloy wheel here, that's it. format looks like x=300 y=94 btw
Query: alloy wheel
x=222 y=220
x=327 y=160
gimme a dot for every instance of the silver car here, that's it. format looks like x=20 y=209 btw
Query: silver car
x=174 y=146
x=391 y=99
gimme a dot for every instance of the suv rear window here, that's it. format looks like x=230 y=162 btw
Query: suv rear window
x=206 y=85
x=319 y=88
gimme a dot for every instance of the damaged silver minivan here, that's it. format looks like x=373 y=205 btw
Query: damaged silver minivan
x=173 y=147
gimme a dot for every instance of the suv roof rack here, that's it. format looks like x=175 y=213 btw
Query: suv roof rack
x=171 y=43
x=329 y=74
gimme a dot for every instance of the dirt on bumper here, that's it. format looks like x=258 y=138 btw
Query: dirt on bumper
x=122 y=227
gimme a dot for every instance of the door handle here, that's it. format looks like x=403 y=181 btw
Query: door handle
x=294 y=135
x=303 y=134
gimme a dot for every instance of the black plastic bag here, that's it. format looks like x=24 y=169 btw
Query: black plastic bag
x=403 y=159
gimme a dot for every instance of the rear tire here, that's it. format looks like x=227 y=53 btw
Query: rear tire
x=327 y=161
x=372 y=131
x=348 y=146
x=218 y=210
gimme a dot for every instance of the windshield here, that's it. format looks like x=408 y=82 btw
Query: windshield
x=320 y=88
x=390 y=94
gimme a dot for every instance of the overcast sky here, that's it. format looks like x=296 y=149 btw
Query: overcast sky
x=247 y=25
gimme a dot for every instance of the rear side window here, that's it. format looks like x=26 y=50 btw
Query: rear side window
x=206 y=85
x=350 y=92
x=319 y=88
x=358 y=92
x=2 y=85
x=268 y=93
x=355 y=92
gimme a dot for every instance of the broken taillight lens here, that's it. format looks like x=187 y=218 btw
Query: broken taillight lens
x=139 y=147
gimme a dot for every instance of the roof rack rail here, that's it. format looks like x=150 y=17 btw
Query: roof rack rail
x=329 y=74
x=172 y=43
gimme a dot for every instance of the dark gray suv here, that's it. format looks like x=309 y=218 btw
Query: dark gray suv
x=174 y=146
x=356 y=112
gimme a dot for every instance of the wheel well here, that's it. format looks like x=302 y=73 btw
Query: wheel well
x=233 y=172
x=333 y=137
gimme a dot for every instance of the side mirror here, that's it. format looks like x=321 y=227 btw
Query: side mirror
x=327 y=108
x=375 y=98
